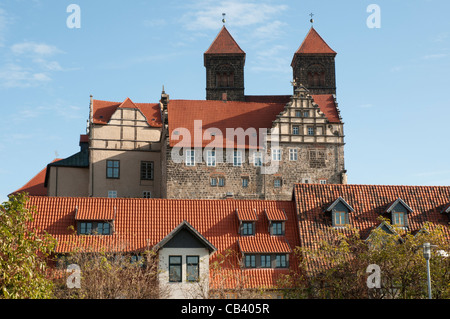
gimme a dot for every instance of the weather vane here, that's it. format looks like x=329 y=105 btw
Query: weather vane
x=312 y=20
x=223 y=18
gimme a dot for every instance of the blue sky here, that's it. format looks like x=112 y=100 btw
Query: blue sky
x=392 y=81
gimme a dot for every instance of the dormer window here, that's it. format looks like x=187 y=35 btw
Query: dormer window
x=277 y=221
x=399 y=213
x=94 y=228
x=340 y=210
x=90 y=222
x=247 y=219
x=248 y=228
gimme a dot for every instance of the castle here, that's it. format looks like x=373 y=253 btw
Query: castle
x=230 y=145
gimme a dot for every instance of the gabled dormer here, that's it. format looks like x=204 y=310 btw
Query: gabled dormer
x=89 y=222
x=387 y=228
x=277 y=221
x=398 y=212
x=340 y=211
x=247 y=221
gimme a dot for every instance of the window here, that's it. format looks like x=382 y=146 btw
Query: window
x=193 y=269
x=175 y=268
x=323 y=181
x=306 y=114
x=250 y=261
x=244 y=181
x=257 y=159
x=211 y=158
x=280 y=261
x=277 y=183
x=293 y=154
x=277 y=228
x=247 y=229
x=103 y=229
x=147 y=194
x=85 y=228
x=190 y=158
x=276 y=154
x=298 y=114
x=213 y=181
x=112 y=194
x=112 y=169
x=237 y=158
x=146 y=170
x=340 y=218
x=310 y=130
x=398 y=218
x=221 y=181
x=295 y=130
x=265 y=261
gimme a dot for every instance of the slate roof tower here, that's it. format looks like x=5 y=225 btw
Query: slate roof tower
x=224 y=62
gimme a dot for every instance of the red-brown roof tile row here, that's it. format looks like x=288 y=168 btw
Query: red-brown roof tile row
x=142 y=223
x=224 y=44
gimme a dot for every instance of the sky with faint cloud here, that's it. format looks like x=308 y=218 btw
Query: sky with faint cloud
x=392 y=81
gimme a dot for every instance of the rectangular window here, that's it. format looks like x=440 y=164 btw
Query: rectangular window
x=277 y=228
x=175 y=268
x=277 y=183
x=112 y=194
x=211 y=158
x=323 y=181
x=276 y=154
x=298 y=114
x=265 y=261
x=192 y=268
x=221 y=181
x=250 y=261
x=112 y=169
x=147 y=194
x=398 y=218
x=293 y=154
x=244 y=181
x=310 y=130
x=146 y=170
x=257 y=159
x=295 y=130
x=340 y=218
x=237 y=158
x=213 y=181
x=190 y=158
x=85 y=228
x=247 y=229
x=306 y=114
x=103 y=229
x=280 y=261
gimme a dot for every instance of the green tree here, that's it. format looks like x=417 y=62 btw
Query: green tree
x=23 y=252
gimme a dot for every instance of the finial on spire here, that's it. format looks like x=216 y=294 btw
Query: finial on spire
x=223 y=18
x=311 y=20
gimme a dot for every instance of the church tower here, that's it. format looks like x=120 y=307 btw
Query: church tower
x=313 y=65
x=224 y=62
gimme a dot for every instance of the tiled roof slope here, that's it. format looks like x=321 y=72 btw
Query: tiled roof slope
x=369 y=202
x=35 y=186
x=314 y=44
x=103 y=110
x=224 y=44
x=141 y=223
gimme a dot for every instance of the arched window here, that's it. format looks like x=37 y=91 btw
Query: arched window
x=316 y=75
x=224 y=76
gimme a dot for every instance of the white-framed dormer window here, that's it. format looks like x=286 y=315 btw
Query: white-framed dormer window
x=112 y=194
x=211 y=158
x=293 y=154
x=257 y=159
x=237 y=158
x=276 y=154
x=190 y=158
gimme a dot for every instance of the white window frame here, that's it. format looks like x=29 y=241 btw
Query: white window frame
x=276 y=154
x=190 y=158
x=322 y=181
x=112 y=194
x=293 y=154
x=310 y=131
x=237 y=158
x=210 y=158
x=257 y=159
x=295 y=130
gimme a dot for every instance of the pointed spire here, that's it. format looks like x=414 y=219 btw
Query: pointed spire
x=314 y=44
x=224 y=44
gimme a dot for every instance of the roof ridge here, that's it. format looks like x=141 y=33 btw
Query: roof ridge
x=224 y=43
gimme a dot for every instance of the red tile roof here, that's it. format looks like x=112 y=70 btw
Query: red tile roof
x=369 y=202
x=275 y=214
x=140 y=223
x=35 y=186
x=224 y=44
x=327 y=105
x=246 y=214
x=103 y=110
x=314 y=44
